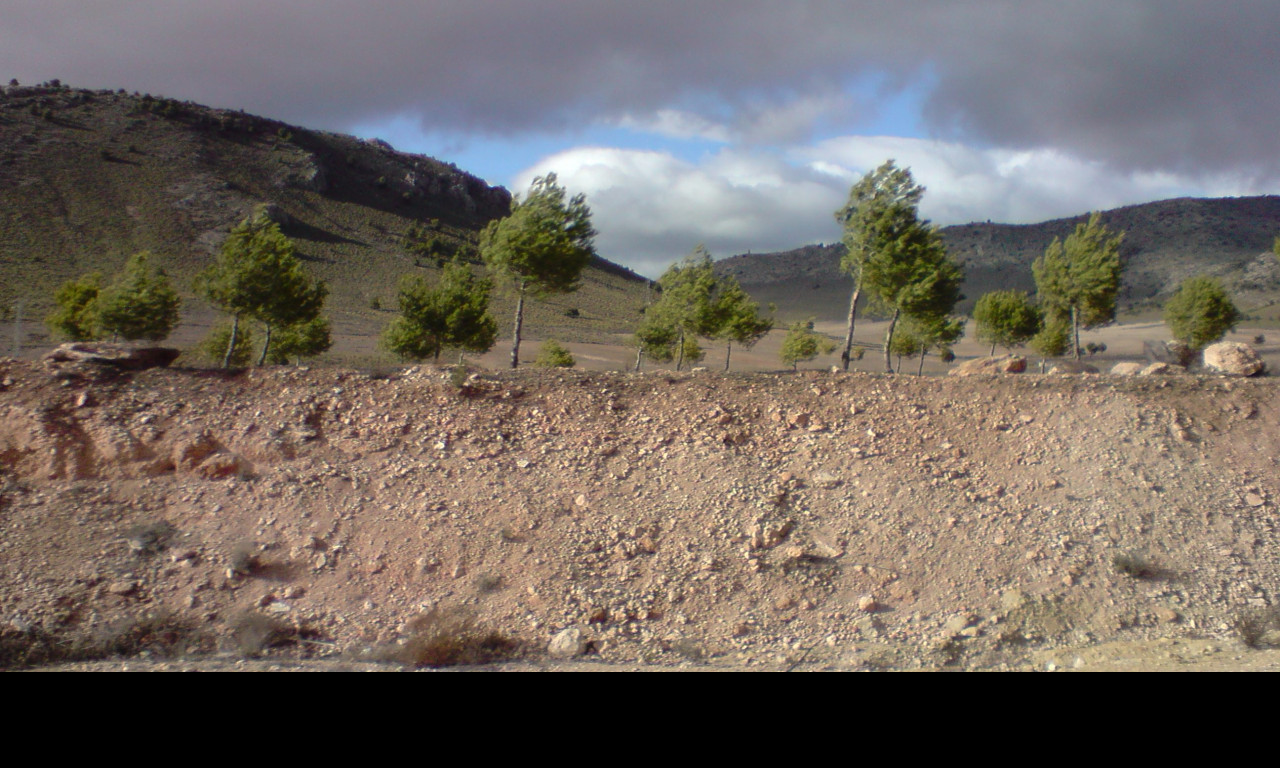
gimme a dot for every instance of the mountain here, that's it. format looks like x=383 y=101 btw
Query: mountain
x=1165 y=242
x=89 y=177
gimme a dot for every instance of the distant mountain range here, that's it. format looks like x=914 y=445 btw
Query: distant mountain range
x=89 y=177
x=1165 y=242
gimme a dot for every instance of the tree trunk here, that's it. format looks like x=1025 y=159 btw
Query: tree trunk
x=266 y=345
x=993 y=350
x=728 y=350
x=1075 y=331
x=639 y=356
x=888 y=341
x=231 y=345
x=848 y=339
x=515 y=344
x=920 y=370
x=680 y=351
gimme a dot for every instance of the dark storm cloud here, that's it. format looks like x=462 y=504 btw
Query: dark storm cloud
x=1174 y=84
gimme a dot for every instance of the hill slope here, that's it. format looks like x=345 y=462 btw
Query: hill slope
x=88 y=177
x=1165 y=242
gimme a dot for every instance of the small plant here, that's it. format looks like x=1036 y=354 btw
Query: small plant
x=487 y=583
x=458 y=376
x=1259 y=628
x=1133 y=565
x=375 y=304
x=244 y=558
x=284 y=134
x=572 y=312
x=554 y=355
x=448 y=637
x=149 y=538
x=1259 y=340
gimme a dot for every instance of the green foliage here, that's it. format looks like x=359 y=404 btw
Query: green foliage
x=454 y=314
x=213 y=349
x=76 y=318
x=803 y=344
x=737 y=318
x=895 y=254
x=1079 y=278
x=887 y=188
x=258 y=276
x=1054 y=338
x=542 y=247
x=1006 y=319
x=140 y=304
x=554 y=355
x=301 y=341
x=1201 y=313
x=545 y=243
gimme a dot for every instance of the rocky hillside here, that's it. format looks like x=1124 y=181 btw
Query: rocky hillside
x=762 y=521
x=1165 y=242
x=88 y=177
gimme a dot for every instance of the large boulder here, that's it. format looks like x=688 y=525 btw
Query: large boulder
x=113 y=356
x=1233 y=359
x=1162 y=369
x=1126 y=369
x=984 y=366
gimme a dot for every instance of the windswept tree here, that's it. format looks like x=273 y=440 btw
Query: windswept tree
x=888 y=191
x=257 y=276
x=1006 y=319
x=1078 y=279
x=541 y=248
x=1200 y=313
x=453 y=314
x=76 y=316
x=140 y=304
x=659 y=341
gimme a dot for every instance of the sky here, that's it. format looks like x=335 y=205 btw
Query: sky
x=738 y=124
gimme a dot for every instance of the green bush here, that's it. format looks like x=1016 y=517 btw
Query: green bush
x=554 y=355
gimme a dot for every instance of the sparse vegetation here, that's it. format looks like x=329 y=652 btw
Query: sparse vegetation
x=447 y=637
x=802 y=344
x=158 y=634
x=554 y=355
x=1259 y=628
x=1134 y=565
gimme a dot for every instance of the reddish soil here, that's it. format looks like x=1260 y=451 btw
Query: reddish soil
x=751 y=521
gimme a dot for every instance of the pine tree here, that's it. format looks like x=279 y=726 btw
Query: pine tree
x=541 y=248
x=302 y=340
x=141 y=304
x=1201 y=313
x=687 y=303
x=1006 y=319
x=737 y=318
x=1079 y=279
x=257 y=276
x=875 y=196
x=453 y=314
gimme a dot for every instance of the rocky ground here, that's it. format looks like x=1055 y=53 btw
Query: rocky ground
x=753 y=521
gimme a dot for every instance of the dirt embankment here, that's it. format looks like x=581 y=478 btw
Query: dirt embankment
x=832 y=521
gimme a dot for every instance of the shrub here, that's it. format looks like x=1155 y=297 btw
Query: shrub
x=1259 y=628
x=256 y=633
x=1259 y=340
x=1201 y=312
x=572 y=312
x=244 y=558
x=1133 y=565
x=553 y=355
x=450 y=637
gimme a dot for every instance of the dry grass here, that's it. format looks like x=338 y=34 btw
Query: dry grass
x=447 y=637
